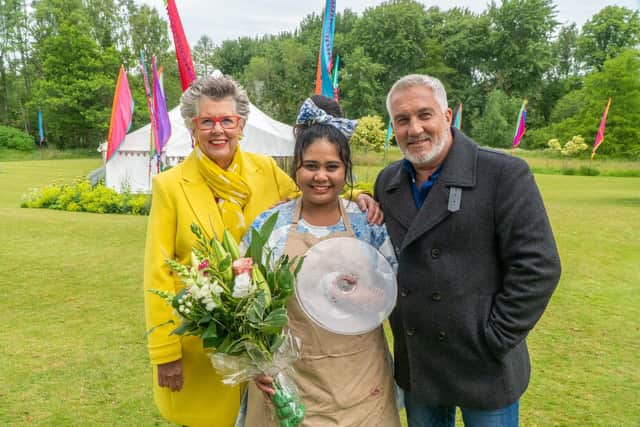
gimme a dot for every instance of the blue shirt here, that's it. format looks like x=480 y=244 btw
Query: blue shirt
x=375 y=235
x=420 y=194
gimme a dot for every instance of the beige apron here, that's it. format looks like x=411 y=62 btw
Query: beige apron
x=344 y=380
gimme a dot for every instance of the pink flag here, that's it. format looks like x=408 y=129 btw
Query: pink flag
x=520 y=126
x=121 y=114
x=600 y=135
x=183 y=53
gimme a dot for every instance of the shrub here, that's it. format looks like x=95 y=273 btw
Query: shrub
x=82 y=197
x=571 y=148
x=588 y=171
x=370 y=133
x=15 y=139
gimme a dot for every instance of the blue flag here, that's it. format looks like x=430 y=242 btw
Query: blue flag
x=40 y=127
x=324 y=80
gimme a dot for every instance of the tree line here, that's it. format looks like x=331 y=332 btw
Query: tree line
x=62 y=56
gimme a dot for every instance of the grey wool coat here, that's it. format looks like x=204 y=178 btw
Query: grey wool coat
x=477 y=266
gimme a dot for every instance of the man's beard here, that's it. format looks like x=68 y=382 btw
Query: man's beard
x=438 y=145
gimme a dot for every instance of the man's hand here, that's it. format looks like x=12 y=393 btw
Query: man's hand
x=170 y=375
x=374 y=213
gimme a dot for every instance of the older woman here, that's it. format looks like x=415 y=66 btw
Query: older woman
x=218 y=186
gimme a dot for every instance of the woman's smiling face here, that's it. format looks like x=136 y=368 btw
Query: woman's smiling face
x=322 y=174
x=217 y=143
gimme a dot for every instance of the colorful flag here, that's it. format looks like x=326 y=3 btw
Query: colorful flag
x=324 y=83
x=153 y=135
x=183 y=53
x=521 y=125
x=121 y=114
x=387 y=139
x=334 y=80
x=163 y=125
x=40 y=128
x=457 y=116
x=600 y=135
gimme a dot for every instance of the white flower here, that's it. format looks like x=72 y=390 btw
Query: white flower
x=189 y=304
x=181 y=309
x=241 y=286
x=202 y=292
x=210 y=306
x=215 y=288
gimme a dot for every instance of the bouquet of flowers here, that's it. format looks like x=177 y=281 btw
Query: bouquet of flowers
x=238 y=306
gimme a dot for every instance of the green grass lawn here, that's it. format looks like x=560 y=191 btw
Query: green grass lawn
x=73 y=351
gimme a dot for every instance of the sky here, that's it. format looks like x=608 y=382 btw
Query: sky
x=222 y=20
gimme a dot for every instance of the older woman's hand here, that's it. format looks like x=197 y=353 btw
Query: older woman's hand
x=374 y=213
x=170 y=375
x=265 y=384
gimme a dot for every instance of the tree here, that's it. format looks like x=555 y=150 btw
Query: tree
x=565 y=52
x=519 y=44
x=394 y=33
x=620 y=80
x=234 y=55
x=580 y=111
x=361 y=91
x=149 y=33
x=203 y=56
x=77 y=87
x=495 y=128
x=607 y=33
x=16 y=72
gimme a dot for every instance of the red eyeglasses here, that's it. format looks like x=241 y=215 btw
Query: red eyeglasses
x=226 y=122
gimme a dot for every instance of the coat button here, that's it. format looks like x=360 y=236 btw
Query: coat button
x=411 y=332
x=436 y=296
x=397 y=250
x=442 y=336
x=435 y=253
x=404 y=292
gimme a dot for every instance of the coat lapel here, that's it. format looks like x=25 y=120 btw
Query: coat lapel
x=458 y=170
x=399 y=197
x=200 y=199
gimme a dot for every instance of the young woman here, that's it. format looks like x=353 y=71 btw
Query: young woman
x=218 y=186
x=343 y=380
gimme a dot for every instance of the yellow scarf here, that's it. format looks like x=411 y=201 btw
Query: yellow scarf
x=229 y=188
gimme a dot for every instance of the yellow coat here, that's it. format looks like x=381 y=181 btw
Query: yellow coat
x=179 y=197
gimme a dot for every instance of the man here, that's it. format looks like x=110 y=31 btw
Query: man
x=477 y=264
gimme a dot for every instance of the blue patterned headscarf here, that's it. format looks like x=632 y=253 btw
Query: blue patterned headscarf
x=310 y=114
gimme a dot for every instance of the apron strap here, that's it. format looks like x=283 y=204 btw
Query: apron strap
x=345 y=218
x=297 y=214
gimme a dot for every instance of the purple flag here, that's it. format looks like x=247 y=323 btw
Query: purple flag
x=160 y=109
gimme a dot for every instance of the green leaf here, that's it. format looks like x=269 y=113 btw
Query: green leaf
x=256 y=309
x=225 y=263
x=237 y=346
x=299 y=260
x=260 y=238
x=185 y=327
x=224 y=345
x=275 y=321
x=276 y=342
x=210 y=332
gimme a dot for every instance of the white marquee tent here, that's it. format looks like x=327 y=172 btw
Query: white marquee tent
x=131 y=169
